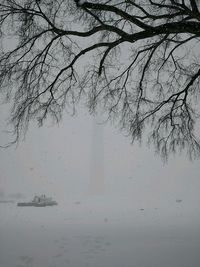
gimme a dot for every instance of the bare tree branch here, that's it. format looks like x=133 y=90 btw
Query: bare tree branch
x=139 y=60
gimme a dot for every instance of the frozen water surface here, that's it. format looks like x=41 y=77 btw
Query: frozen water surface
x=89 y=235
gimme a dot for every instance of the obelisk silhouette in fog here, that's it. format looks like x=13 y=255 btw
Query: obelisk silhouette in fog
x=97 y=183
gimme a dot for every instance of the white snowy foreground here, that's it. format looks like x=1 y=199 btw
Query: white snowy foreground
x=94 y=232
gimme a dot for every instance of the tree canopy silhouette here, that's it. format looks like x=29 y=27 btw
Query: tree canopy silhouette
x=137 y=59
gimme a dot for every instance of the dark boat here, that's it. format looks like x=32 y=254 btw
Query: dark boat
x=39 y=201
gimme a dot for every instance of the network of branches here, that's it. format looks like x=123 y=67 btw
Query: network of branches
x=138 y=60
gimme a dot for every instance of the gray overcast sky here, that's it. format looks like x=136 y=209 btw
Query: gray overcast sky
x=60 y=161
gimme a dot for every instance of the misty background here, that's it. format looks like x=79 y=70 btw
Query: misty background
x=118 y=204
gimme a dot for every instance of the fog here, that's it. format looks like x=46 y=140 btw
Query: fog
x=118 y=204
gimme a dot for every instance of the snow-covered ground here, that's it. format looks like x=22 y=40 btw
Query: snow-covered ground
x=93 y=231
